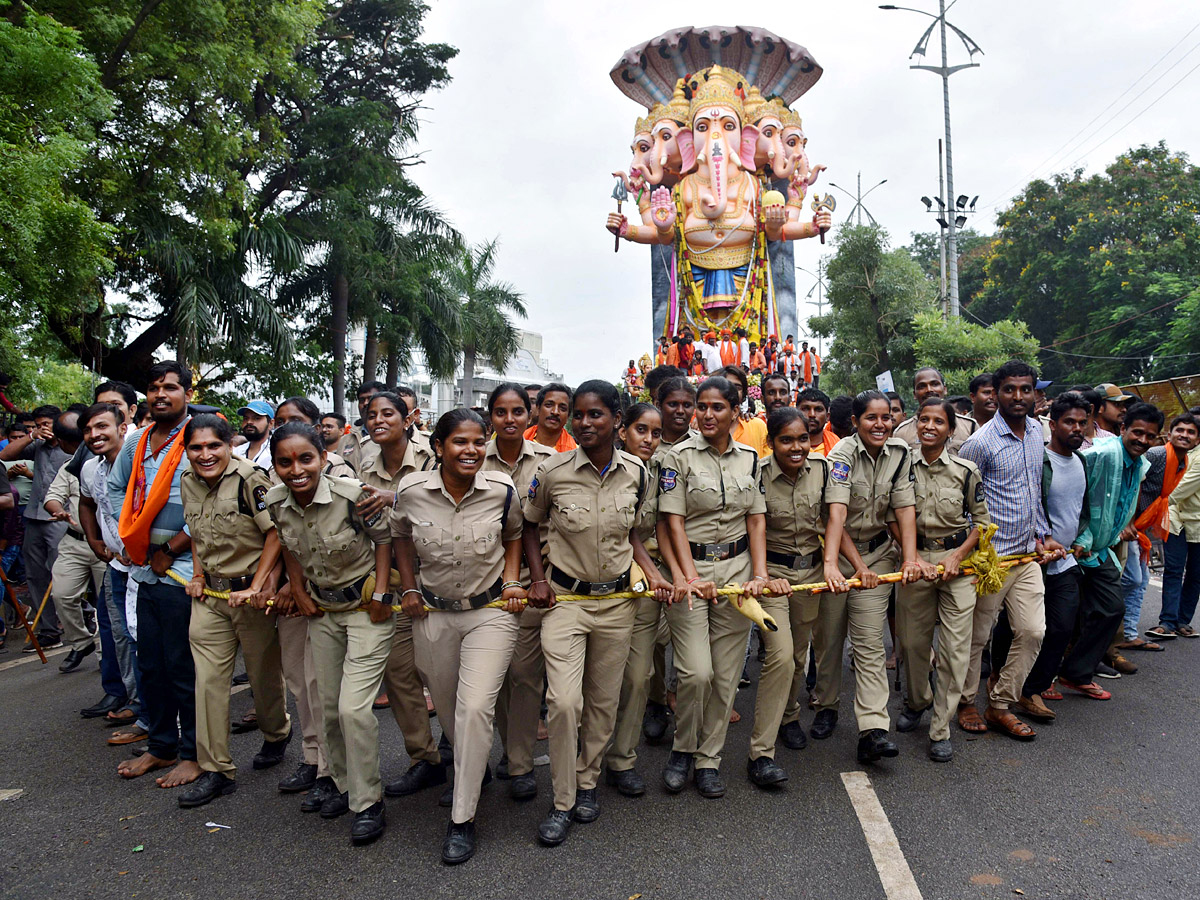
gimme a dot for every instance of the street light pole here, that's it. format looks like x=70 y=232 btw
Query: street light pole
x=818 y=287
x=859 y=196
x=945 y=71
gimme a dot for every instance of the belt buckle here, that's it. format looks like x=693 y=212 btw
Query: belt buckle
x=712 y=553
x=217 y=583
x=456 y=605
x=603 y=587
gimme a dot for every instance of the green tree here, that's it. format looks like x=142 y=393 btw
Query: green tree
x=874 y=295
x=973 y=250
x=1101 y=268
x=961 y=349
x=485 y=327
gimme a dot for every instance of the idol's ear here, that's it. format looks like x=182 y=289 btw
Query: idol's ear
x=746 y=151
x=687 y=150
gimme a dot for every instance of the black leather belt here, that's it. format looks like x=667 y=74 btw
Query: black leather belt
x=351 y=594
x=591 y=588
x=217 y=583
x=78 y=535
x=946 y=543
x=793 y=562
x=481 y=599
x=712 y=552
x=870 y=545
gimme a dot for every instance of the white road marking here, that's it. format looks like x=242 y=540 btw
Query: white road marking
x=894 y=873
x=33 y=657
x=10 y=793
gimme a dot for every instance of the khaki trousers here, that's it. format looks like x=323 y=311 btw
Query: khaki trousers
x=350 y=653
x=300 y=675
x=1023 y=594
x=585 y=643
x=75 y=568
x=863 y=615
x=919 y=607
x=649 y=622
x=519 y=707
x=657 y=690
x=406 y=695
x=787 y=653
x=463 y=657
x=215 y=631
x=710 y=648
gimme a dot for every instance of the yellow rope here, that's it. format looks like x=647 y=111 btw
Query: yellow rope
x=219 y=595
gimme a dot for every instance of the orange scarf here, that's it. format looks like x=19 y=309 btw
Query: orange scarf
x=140 y=508
x=564 y=443
x=1153 y=519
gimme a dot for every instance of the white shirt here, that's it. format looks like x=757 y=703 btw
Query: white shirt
x=712 y=356
x=744 y=348
x=93 y=483
x=263 y=457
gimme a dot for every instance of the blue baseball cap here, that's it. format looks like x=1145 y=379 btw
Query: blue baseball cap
x=258 y=408
x=1042 y=385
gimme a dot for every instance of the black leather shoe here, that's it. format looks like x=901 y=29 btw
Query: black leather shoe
x=459 y=845
x=241 y=678
x=874 y=745
x=72 y=660
x=655 y=722
x=368 y=825
x=502 y=768
x=302 y=779
x=587 y=809
x=523 y=787
x=627 y=782
x=271 y=753
x=709 y=784
x=553 y=829
x=792 y=736
x=909 y=719
x=420 y=775
x=447 y=797
x=322 y=791
x=765 y=772
x=823 y=724
x=108 y=703
x=675 y=773
x=941 y=751
x=208 y=787
x=336 y=805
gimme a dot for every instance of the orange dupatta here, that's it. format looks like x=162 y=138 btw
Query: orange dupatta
x=565 y=441
x=1153 y=519
x=140 y=509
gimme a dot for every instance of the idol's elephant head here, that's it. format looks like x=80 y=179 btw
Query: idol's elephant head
x=770 y=155
x=717 y=146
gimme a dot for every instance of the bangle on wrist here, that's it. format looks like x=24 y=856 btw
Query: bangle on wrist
x=410 y=591
x=510 y=584
x=691 y=580
x=762 y=577
x=539 y=581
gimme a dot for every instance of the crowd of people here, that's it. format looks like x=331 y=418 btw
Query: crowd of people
x=571 y=564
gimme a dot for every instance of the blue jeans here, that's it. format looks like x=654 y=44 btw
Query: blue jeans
x=125 y=647
x=1134 y=580
x=1181 y=581
x=164 y=653
x=110 y=669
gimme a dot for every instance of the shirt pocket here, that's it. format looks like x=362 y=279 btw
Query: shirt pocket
x=780 y=513
x=950 y=506
x=703 y=492
x=626 y=509
x=861 y=503
x=430 y=540
x=740 y=490
x=485 y=537
x=573 y=512
x=342 y=550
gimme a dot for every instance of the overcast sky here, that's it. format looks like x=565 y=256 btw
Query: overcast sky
x=521 y=144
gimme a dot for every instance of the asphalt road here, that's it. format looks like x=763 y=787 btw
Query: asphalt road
x=1102 y=806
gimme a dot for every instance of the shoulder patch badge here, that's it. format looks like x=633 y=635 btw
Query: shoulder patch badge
x=979 y=492
x=912 y=473
x=668 y=479
x=533 y=486
x=840 y=472
x=260 y=497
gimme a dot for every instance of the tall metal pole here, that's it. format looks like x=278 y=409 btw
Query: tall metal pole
x=942 y=231
x=951 y=241
x=820 y=283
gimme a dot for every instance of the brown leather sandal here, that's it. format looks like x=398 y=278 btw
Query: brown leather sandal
x=1004 y=721
x=969 y=719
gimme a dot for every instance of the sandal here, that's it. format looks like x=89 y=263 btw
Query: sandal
x=1051 y=693
x=969 y=719
x=1158 y=633
x=132 y=736
x=1139 y=644
x=125 y=716
x=1091 y=689
x=1186 y=631
x=1004 y=721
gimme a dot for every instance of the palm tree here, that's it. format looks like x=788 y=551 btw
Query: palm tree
x=485 y=329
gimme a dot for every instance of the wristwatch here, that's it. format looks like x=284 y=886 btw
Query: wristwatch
x=165 y=547
x=385 y=599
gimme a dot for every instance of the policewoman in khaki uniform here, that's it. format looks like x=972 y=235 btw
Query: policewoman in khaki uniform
x=950 y=504
x=234 y=548
x=870 y=484
x=299 y=672
x=793 y=484
x=519 y=706
x=591 y=496
x=711 y=510
x=329 y=550
x=464 y=524
x=641 y=435
x=396 y=456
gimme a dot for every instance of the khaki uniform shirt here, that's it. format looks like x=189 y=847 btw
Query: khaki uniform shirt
x=713 y=492
x=531 y=456
x=334 y=545
x=907 y=431
x=647 y=520
x=355 y=447
x=227 y=522
x=948 y=491
x=870 y=488
x=795 y=510
x=460 y=544
x=375 y=473
x=590 y=513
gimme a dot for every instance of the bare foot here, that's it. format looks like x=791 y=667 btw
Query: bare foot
x=671 y=700
x=135 y=768
x=542 y=734
x=735 y=716
x=185 y=773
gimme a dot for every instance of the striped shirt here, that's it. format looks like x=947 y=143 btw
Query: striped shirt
x=1012 y=482
x=169 y=521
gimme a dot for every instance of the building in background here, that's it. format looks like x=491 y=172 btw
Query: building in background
x=528 y=366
